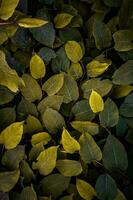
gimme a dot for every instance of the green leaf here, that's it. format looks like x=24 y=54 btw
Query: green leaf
x=86 y=126
x=5 y=95
x=120 y=195
x=112 y=3
x=106 y=187
x=43 y=137
x=70 y=145
x=69 y=91
x=96 y=102
x=68 y=197
x=75 y=71
x=35 y=151
x=69 y=167
x=74 y=51
x=126 y=108
x=102 y=35
x=32 y=125
x=124 y=74
x=28 y=193
x=55 y=190
x=85 y=190
x=26 y=172
x=28 y=92
x=13 y=157
x=103 y=87
x=122 y=91
x=7 y=32
x=123 y=40
x=37 y=67
x=109 y=117
x=12 y=135
x=8 y=180
x=63 y=19
x=53 y=84
x=53 y=120
x=47 y=54
x=97 y=67
x=31 y=22
x=82 y=111
x=114 y=154
x=8 y=76
x=89 y=150
x=53 y=102
x=7 y=8
x=46 y=161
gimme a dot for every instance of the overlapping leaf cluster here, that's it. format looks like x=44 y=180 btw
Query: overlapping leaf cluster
x=66 y=101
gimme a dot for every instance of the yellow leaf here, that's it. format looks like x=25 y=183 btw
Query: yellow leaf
x=74 y=51
x=122 y=91
x=40 y=137
x=85 y=190
x=12 y=135
x=37 y=67
x=96 y=102
x=31 y=22
x=62 y=20
x=97 y=67
x=70 y=145
x=46 y=161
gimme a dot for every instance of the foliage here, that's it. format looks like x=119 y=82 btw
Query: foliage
x=66 y=101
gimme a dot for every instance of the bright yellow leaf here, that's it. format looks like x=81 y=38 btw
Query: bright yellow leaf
x=96 y=102
x=31 y=22
x=62 y=20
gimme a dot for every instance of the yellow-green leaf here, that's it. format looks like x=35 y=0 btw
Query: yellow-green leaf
x=70 y=145
x=12 y=135
x=63 y=19
x=120 y=196
x=8 y=180
x=46 y=161
x=31 y=22
x=53 y=84
x=7 y=8
x=32 y=125
x=97 y=67
x=75 y=71
x=122 y=90
x=74 y=51
x=85 y=190
x=96 y=102
x=69 y=167
x=8 y=76
x=40 y=137
x=37 y=67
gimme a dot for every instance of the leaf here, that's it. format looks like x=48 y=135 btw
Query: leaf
x=47 y=54
x=102 y=35
x=120 y=195
x=46 y=161
x=32 y=125
x=89 y=150
x=13 y=157
x=103 y=87
x=31 y=22
x=82 y=111
x=68 y=197
x=37 y=67
x=28 y=92
x=123 y=40
x=8 y=180
x=8 y=76
x=6 y=95
x=75 y=71
x=109 y=117
x=40 y=137
x=69 y=167
x=85 y=190
x=63 y=19
x=122 y=91
x=126 y=108
x=124 y=74
x=28 y=193
x=96 y=102
x=12 y=135
x=97 y=67
x=53 y=120
x=26 y=172
x=113 y=3
x=53 y=102
x=70 y=145
x=7 y=32
x=7 y=8
x=53 y=84
x=74 y=51
x=114 y=154
x=106 y=187
x=69 y=91
x=86 y=126
x=55 y=190
x=35 y=151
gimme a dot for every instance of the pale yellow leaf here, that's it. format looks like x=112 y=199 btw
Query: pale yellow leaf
x=40 y=137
